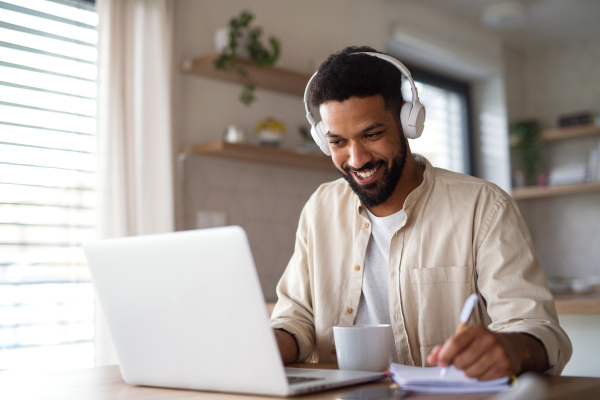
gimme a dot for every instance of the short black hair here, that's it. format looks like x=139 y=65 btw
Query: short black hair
x=346 y=74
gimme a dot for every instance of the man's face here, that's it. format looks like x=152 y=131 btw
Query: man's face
x=366 y=146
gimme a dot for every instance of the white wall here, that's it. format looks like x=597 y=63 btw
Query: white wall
x=309 y=31
x=542 y=84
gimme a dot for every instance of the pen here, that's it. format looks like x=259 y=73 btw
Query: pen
x=465 y=314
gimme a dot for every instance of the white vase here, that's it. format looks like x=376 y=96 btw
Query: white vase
x=222 y=41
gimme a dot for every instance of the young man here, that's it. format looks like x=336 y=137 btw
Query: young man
x=397 y=241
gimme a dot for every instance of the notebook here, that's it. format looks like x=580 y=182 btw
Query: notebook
x=427 y=380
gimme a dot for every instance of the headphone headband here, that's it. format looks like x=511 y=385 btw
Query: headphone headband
x=390 y=59
x=412 y=115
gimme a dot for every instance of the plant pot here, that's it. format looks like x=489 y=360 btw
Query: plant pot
x=270 y=138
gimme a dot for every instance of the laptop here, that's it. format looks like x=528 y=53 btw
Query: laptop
x=185 y=310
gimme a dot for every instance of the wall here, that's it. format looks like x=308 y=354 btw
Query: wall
x=310 y=30
x=265 y=201
x=544 y=83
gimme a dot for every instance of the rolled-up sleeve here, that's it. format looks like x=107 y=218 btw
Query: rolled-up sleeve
x=294 y=309
x=514 y=285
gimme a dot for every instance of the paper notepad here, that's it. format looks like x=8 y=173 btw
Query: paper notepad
x=427 y=380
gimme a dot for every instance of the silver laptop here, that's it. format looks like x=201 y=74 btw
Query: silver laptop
x=185 y=310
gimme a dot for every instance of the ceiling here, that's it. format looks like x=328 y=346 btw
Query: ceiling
x=549 y=21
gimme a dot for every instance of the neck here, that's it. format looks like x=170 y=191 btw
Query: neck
x=412 y=176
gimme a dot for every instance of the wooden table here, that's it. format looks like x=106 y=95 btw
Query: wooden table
x=103 y=383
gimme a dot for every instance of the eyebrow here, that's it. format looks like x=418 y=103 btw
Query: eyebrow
x=367 y=129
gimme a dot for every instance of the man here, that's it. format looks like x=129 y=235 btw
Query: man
x=397 y=241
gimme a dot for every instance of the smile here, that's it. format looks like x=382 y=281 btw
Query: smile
x=366 y=176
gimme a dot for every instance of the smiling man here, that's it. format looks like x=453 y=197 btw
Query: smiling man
x=399 y=242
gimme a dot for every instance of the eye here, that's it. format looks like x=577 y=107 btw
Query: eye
x=372 y=135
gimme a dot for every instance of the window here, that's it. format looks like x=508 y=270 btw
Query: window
x=47 y=199
x=445 y=140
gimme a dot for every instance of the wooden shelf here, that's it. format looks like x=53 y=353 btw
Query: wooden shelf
x=587 y=304
x=264 y=155
x=570 y=132
x=271 y=78
x=533 y=192
x=549 y=135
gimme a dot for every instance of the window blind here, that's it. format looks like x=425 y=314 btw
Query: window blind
x=47 y=166
x=445 y=138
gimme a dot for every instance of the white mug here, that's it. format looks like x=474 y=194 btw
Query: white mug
x=363 y=347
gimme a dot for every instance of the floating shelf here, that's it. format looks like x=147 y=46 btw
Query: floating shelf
x=264 y=155
x=271 y=78
x=550 y=135
x=570 y=132
x=533 y=192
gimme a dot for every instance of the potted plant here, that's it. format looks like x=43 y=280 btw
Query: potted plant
x=527 y=142
x=241 y=34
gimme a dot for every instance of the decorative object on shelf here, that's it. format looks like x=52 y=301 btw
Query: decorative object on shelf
x=567 y=174
x=592 y=174
x=581 y=118
x=580 y=285
x=308 y=145
x=270 y=132
x=240 y=32
x=559 y=284
x=526 y=136
x=233 y=134
x=518 y=179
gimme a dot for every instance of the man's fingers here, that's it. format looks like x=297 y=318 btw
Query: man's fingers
x=432 y=358
x=495 y=372
x=493 y=364
x=479 y=346
x=455 y=345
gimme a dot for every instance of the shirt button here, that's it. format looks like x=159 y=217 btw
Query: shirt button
x=357 y=268
x=348 y=310
x=366 y=225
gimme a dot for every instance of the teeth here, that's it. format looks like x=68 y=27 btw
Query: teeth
x=366 y=174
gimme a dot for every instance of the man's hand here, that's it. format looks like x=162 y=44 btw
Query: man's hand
x=486 y=355
x=288 y=347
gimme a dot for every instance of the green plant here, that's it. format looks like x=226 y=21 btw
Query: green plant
x=529 y=147
x=259 y=54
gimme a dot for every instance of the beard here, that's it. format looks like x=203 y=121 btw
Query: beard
x=376 y=193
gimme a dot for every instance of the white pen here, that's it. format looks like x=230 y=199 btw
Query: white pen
x=465 y=314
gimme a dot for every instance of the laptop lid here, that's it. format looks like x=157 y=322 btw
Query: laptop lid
x=186 y=310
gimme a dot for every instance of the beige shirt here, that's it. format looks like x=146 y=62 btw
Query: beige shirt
x=462 y=235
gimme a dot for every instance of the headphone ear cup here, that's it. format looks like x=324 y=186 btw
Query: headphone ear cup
x=409 y=131
x=318 y=134
x=419 y=109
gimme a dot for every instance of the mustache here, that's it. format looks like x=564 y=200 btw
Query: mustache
x=366 y=167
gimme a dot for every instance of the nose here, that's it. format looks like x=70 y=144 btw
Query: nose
x=359 y=155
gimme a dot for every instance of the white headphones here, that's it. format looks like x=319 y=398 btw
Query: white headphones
x=412 y=115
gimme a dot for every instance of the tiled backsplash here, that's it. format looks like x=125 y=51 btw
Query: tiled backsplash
x=265 y=200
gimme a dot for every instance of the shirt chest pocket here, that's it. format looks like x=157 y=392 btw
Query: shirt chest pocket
x=440 y=293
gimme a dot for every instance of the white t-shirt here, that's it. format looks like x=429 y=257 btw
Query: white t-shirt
x=373 y=307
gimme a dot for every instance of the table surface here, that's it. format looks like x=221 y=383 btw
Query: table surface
x=106 y=383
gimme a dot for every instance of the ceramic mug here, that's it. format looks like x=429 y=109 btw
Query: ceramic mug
x=363 y=347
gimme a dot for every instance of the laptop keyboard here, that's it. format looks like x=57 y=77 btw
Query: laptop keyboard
x=301 y=379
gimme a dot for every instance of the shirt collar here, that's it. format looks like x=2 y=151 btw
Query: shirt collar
x=428 y=176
